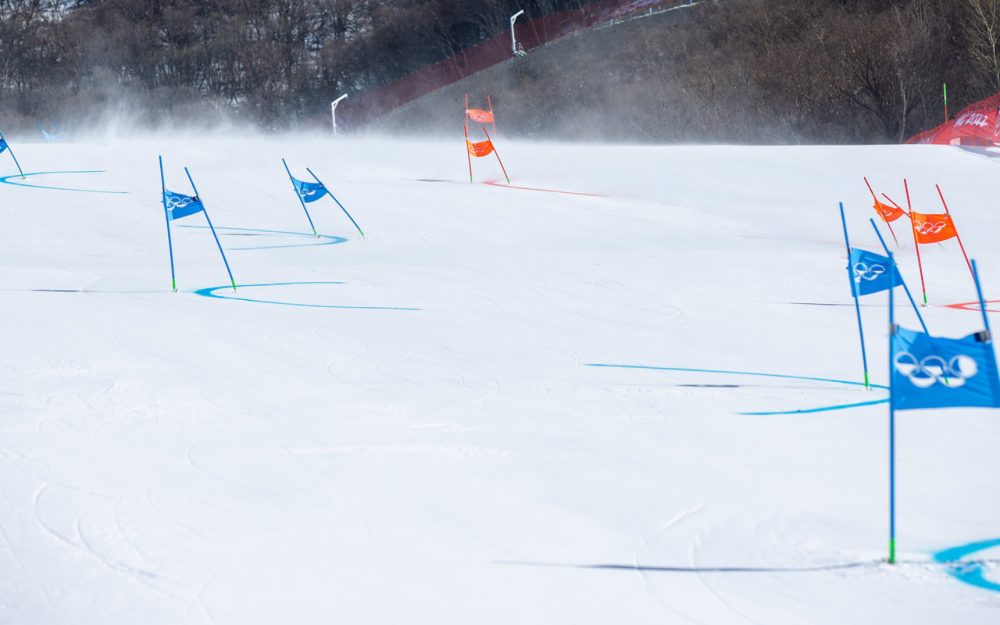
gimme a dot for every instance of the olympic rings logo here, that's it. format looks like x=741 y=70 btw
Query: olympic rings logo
x=926 y=227
x=863 y=271
x=304 y=193
x=930 y=370
x=178 y=201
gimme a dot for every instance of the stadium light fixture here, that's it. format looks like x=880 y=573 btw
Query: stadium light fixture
x=333 y=111
x=513 y=37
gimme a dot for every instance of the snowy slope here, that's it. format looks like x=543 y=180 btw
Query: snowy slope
x=407 y=429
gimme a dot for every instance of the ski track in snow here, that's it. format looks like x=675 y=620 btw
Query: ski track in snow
x=643 y=545
x=198 y=599
x=27 y=575
x=133 y=545
x=693 y=548
x=189 y=457
x=81 y=545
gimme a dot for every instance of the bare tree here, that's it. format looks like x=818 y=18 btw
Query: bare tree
x=982 y=30
x=893 y=64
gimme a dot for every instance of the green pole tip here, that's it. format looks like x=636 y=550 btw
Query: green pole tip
x=867 y=383
x=892 y=551
x=233 y=282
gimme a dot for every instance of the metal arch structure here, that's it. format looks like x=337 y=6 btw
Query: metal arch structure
x=513 y=37
x=333 y=111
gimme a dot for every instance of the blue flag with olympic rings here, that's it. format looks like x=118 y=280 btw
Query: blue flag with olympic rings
x=309 y=191
x=931 y=372
x=870 y=273
x=180 y=205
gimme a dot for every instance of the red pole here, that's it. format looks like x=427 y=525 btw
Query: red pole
x=893 y=233
x=498 y=156
x=916 y=243
x=492 y=116
x=893 y=202
x=900 y=208
x=468 y=156
x=957 y=236
x=875 y=199
x=870 y=190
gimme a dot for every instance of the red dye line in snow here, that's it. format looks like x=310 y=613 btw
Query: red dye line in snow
x=974 y=306
x=495 y=183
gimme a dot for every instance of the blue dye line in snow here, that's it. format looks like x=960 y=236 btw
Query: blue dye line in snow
x=9 y=180
x=968 y=571
x=326 y=239
x=874 y=402
x=781 y=376
x=212 y=292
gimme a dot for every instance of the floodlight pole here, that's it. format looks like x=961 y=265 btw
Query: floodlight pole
x=513 y=37
x=333 y=111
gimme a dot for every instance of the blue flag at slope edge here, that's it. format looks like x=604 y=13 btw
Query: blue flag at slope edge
x=309 y=191
x=3 y=145
x=870 y=273
x=180 y=205
x=930 y=372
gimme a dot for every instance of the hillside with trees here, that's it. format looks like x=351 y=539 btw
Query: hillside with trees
x=728 y=70
x=275 y=63
x=744 y=71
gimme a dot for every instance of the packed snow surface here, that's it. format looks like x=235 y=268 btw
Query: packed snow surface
x=409 y=427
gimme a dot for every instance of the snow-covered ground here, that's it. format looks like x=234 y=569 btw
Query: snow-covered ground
x=409 y=428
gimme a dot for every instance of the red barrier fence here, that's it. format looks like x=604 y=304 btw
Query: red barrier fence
x=374 y=103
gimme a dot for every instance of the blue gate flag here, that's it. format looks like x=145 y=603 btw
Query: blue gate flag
x=930 y=372
x=309 y=191
x=870 y=273
x=179 y=205
x=3 y=145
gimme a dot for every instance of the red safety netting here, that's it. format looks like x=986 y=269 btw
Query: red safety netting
x=379 y=101
x=975 y=125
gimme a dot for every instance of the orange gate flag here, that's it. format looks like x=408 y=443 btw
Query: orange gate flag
x=888 y=213
x=479 y=149
x=933 y=228
x=480 y=116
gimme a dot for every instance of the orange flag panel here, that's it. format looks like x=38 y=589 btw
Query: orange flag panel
x=887 y=212
x=933 y=228
x=479 y=149
x=480 y=116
